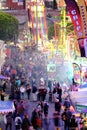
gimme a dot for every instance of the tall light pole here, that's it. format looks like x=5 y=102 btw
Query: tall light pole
x=36 y=22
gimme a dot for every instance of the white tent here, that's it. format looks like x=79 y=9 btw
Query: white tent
x=6 y=106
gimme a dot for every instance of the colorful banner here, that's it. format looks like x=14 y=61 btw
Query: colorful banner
x=85 y=46
x=83 y=13
x=74 y=12
x=78 y=15
x=76 y=73
x=81 y=47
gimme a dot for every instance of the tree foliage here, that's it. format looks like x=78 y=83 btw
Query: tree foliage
x=69 y=30
x=8 y=27
x=51 y=31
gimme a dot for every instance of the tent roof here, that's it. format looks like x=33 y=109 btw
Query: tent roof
x=6 y=106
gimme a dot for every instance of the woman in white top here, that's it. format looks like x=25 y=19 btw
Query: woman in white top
x=22 y=91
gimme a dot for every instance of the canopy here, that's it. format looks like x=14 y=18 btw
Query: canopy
x=6 y=106
x=84 y=110
x=84 y=86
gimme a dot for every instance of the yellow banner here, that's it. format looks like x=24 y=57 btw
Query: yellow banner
x=82 y=8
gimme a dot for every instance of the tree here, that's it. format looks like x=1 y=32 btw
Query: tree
x=69 y=28
x=8 y=27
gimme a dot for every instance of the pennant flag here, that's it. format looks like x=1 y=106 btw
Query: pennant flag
x=83 y=13
x=79 y=17
x=74 y=12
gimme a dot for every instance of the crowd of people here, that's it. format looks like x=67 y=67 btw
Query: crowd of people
x=19 y=87
x=28 y=81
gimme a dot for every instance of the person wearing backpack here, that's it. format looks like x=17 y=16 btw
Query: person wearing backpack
x=18 y=122
x=73 y=123
x=9 y=120
x=26 y=123
x=66 y=117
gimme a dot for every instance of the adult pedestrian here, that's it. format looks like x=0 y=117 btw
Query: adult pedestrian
x=28 y=90
x=18 y=122
x=57 y=105
x=20 y=109
x=3 y=94
x=26 y=123
x=67 y=103
x=34 y=118
x=59 y=91
x=8 y=120
x=34 y=92
x=56 y=118
x=66 y=117
x=46 y=108
x=73 y=123
x=22 y=91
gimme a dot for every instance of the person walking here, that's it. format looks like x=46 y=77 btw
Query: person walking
x=20 y=109
x=34 y=92
x=18 y=122
x=45 y=109
x=66 y=117
x=8 y=120
x=22 y=91
x=26 y=123
x=57 y=105
x=34 y=118
x=56 y=118
x=67 y=103
x=73 y=123
x=3 y=94
x=28 y=90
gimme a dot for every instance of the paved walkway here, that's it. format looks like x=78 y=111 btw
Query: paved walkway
x=29 y=106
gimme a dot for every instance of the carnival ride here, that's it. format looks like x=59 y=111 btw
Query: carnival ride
x=37 y=19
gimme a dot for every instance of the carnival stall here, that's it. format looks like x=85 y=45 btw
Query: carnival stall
x=6 y=107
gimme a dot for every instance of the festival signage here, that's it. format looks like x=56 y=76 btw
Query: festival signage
x=76 y=73
x=51 y=67
x=78 y=15
x=75 y=16
x=83 y=13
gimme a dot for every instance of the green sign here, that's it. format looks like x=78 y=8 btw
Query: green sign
x=80 y=108
x=51 y=67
